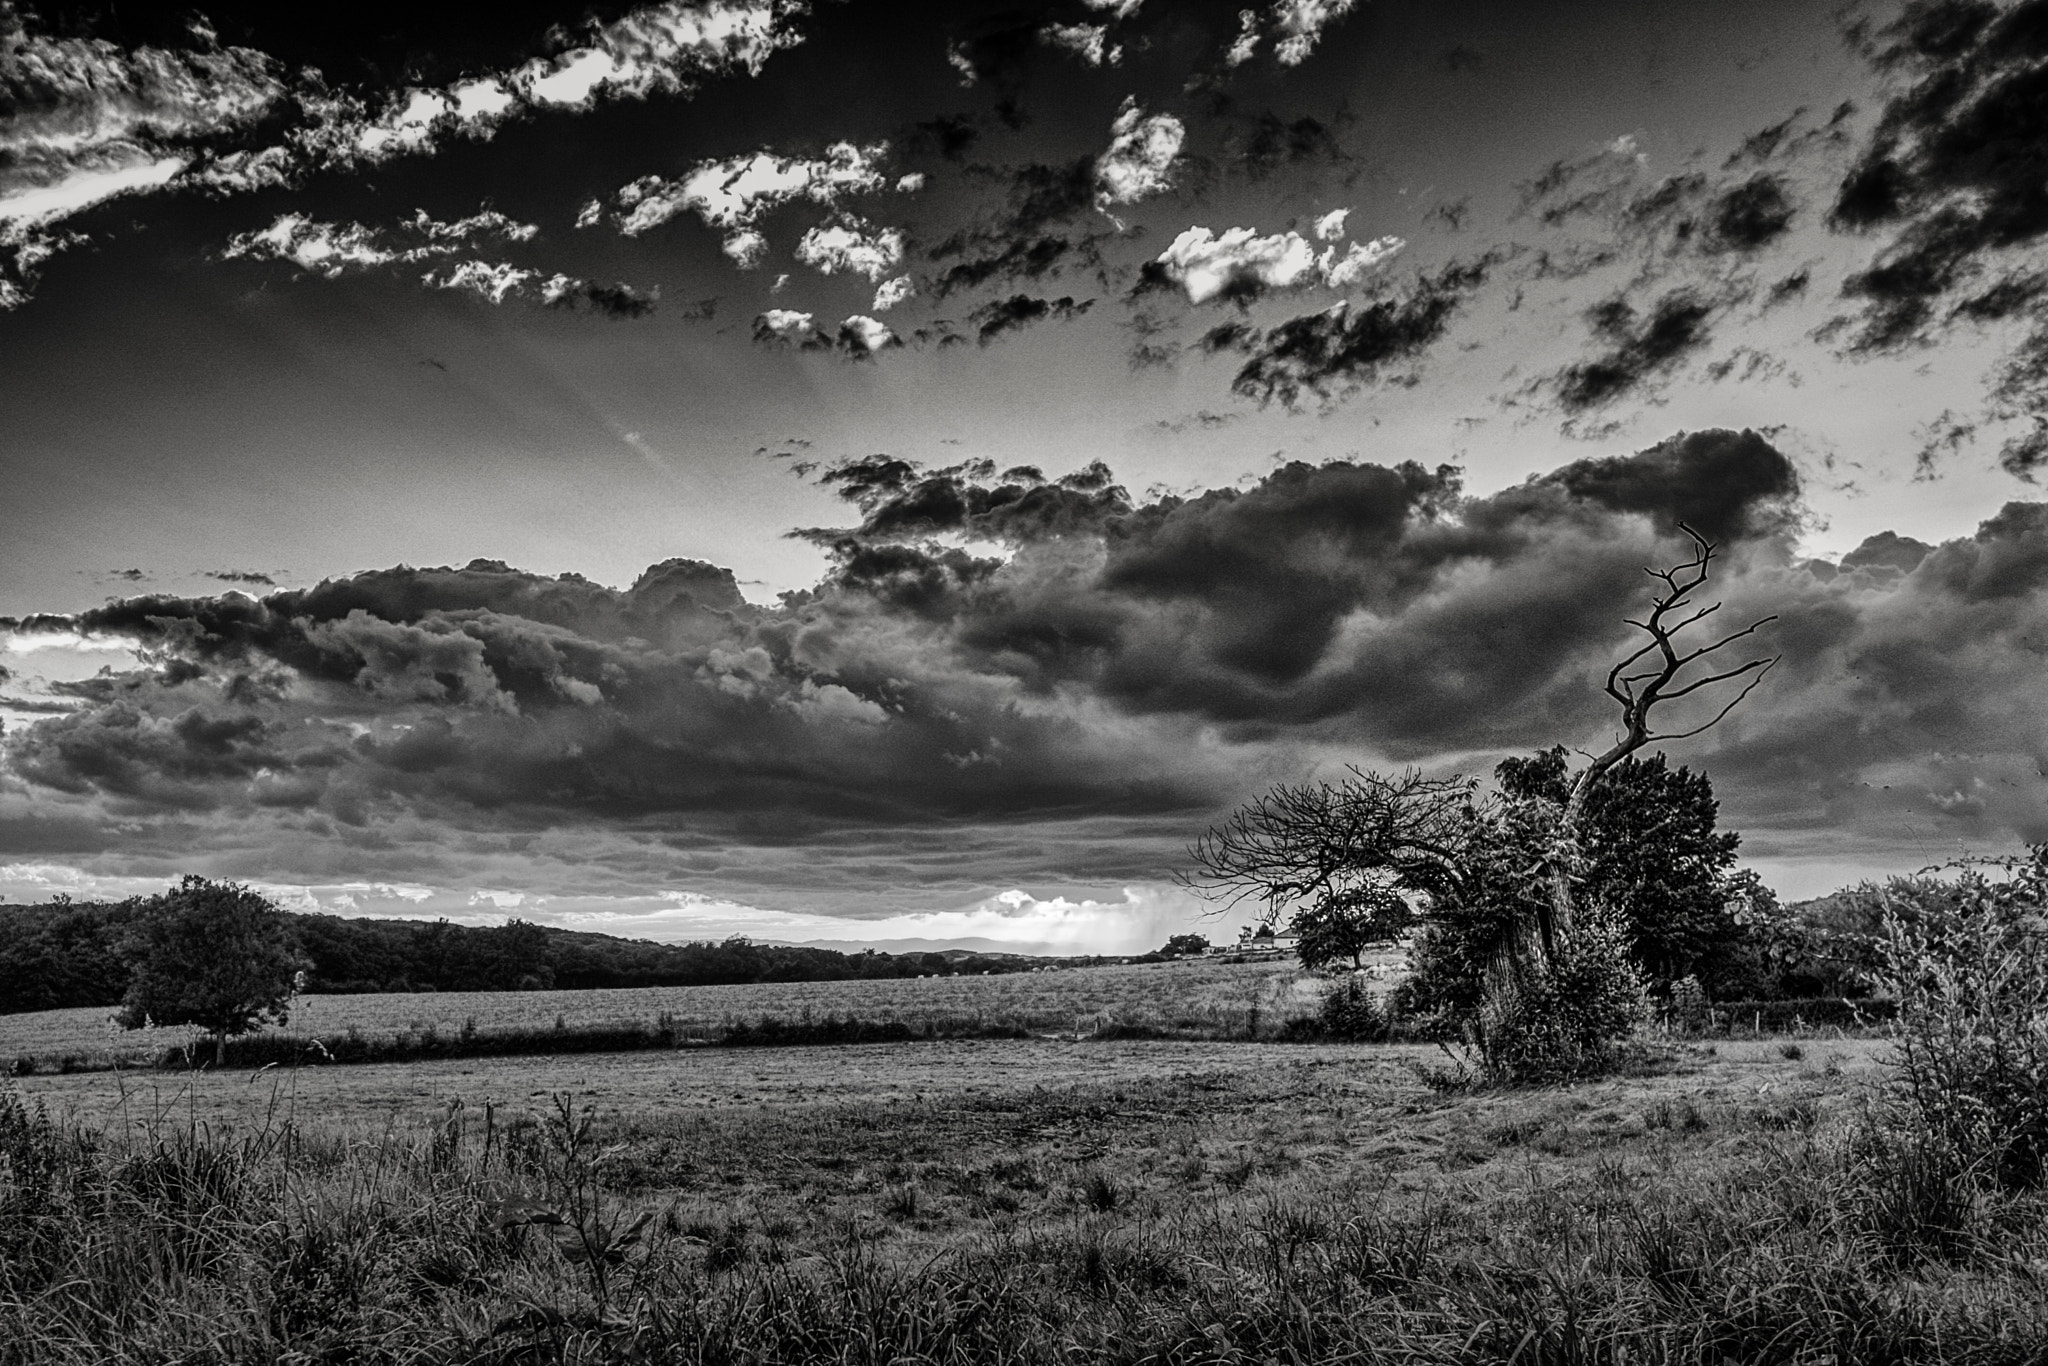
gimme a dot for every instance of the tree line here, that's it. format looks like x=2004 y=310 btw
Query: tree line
x=65 y=954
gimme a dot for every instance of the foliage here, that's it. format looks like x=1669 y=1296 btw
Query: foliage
x=1563 y=1018
x=213 y=954
x=1470 y=925
x=1351 y=1013
x=1190 y=945
x=1648 y=844
x=1970 y=974
x=1343 y=925
x=1835 y=945
x=64 y=954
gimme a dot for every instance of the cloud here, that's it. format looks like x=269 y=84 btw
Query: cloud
x=862 y=335
x=492 y=280
x=1143 y=152
x=1272 y=144
x=1089 y=42
x=332 y=250
x=325 y=249
x=890 y=293
x=615 y=301
x=1294 y=26
x=1638 y=350
x=851 y=248
x=1326 y=354
x=1298 y=26
x=91 y=122
x=1005 y=673
x=734 y=193
x=993 y=319
x=88 y=123
x=1240 y=265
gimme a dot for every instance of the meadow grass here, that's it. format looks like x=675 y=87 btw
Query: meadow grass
x=1329 y=1208
x=1191 y=998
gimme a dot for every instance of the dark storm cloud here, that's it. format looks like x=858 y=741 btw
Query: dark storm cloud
x=1031 y=235
x=991 y=320
x=1271 y=144
x=1906 y=689
x=1327 y=354
x=1636 y=350
x=998 y=645
x=255 y=576
x=618 y=302
x=1953 y=180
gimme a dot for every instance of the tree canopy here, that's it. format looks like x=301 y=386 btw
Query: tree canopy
x=214 y=954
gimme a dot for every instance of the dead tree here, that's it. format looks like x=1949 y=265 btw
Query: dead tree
x=1651 y=677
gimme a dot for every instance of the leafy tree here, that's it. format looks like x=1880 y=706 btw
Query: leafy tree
x=1650 y=850
x=213 y=954
x=1343 y=925
x=1190 y=945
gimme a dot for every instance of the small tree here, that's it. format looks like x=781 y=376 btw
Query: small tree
x=213 y=954
x=1186 y=945
x=1344 y=924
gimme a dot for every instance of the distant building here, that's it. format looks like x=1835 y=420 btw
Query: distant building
x=1265 y=939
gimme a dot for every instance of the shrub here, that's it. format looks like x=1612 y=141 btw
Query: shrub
x=1564 y=1019
x=1970 y=975
x=1351 y=1013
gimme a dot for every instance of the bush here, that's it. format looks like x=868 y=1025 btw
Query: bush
x=1564 y=1019
x=1351 y=1013
x=1970 y=975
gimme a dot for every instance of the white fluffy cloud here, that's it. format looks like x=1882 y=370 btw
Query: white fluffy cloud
x=734 y=193
x=893 y=292
x=87 y=121
x=865 y=334
x=1207 y=264
x=493 y=280
x=663 y=48
x=1143 y=150
x=1089 y=42
x=1295 y=25
x=1299 y=25
x=334 y=249
x=787 y=324
x=1330 y=227
x=851 y=249
x=329 y=249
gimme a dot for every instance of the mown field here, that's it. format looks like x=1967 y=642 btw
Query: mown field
x=1034 y=1201
x=1199 y=996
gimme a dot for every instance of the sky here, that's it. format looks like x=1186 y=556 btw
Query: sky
x=873 y=472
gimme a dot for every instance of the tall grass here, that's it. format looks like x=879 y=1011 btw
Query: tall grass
x=538 y=1239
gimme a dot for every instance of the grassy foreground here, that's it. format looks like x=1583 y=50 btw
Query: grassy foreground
x=1329 y=1208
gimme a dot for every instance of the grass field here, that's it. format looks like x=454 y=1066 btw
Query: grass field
x=1200 y=996
x=1033 y=1201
